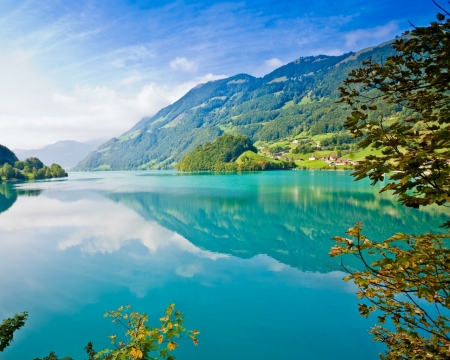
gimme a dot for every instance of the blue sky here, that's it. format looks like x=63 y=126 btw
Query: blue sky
x=89 y=68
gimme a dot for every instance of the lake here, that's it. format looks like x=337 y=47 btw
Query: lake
x=244 y=256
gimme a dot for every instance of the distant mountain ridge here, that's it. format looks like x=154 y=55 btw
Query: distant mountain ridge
x=66 y=153
x=297 y=97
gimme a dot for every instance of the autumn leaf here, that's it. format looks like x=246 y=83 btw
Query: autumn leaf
x=172 y=345
x=136 y=353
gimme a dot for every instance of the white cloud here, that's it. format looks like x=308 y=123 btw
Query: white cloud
x=267 y=66
x=132 y=79
x=81 y=225
x=183 y=64
x=104 y=234
x=189 y=270
x=36 y=112
x=377 y=33
x=273 y=63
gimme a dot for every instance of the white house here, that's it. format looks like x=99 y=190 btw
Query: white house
x=312 y=157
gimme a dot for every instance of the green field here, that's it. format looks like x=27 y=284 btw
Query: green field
x=312 y=164
x=255 y=157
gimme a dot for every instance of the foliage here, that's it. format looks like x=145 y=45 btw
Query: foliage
x=53 y=356
x=31 y=168
x=278 y=148
x=9 y=326
x=416 y=150
x=142 y=340
x=338 y=141
x=304 y=148
x=7 y=156
x=217 y=155
x=261 y=165
x=410 y=271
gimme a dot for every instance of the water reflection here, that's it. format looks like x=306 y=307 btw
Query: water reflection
x=226 y=249
x=293 y=224
x=9 y=194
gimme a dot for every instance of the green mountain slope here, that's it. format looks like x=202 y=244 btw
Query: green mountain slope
x=215 y=156
x=297 y=97
x=7 y=156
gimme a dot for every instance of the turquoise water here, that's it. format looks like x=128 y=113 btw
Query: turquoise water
x=243 y=256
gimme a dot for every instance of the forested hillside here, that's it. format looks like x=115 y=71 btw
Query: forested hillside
x=32 y=168
x=217 y=155
x=299 y=97
x=7 y=156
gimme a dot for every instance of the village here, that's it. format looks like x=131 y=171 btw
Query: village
x=289 y=154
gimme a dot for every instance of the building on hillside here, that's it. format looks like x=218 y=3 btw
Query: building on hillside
x=295 y=141
x=312 y=157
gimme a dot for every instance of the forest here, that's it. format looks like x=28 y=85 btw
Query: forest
x=221 y=155
x=29 y=169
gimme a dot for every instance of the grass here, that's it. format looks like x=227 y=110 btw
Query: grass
x=288 y=104
x=103 y=167
x=305 y=100
x=227 y=128
x=255 y=157
x=129 y=136
x=321 y=137
x=359 y=155
x=312 y=164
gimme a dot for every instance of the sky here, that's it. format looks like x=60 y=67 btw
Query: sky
x=90 y=69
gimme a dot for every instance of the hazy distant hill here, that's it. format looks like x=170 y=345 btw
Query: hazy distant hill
x=297 y=97
x=66 y=153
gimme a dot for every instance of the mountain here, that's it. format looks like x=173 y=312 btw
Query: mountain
x=66 y=153
x=297 y=97
x=217 y=156
x=7 y=156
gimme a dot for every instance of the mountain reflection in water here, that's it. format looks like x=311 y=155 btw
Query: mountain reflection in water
x=292 y=225
x=240 y=254
x=9 y=194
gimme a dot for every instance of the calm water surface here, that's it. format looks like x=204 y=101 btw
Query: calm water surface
x=243 y=256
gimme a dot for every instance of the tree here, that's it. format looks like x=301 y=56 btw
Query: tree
x=8 y=171
x=9 y=326
x=415 y=151
x=34 y=162
x=409 y=271
x=141 y=340
x=52 y=356
x=408 y=284
x=57 y=171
